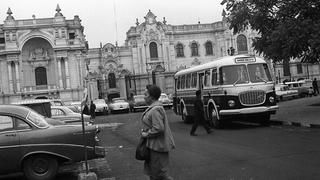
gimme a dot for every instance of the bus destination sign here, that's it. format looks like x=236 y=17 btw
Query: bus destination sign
x=245 y=59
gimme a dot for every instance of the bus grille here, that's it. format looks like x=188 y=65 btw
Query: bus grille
x=252 y=97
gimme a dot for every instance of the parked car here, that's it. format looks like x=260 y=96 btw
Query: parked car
x=29 y=144
x=101 y=106
x=164 y=99
x=119 y=105
x=283 y=92
x=303 y=91
x=67 y=115
x=77 y=104
x=138 y=103
x=41 y=106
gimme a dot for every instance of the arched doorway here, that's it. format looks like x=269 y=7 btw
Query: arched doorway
x=41 y=76
x=112 y=80
x=242 y=44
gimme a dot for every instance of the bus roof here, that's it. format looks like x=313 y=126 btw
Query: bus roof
x=225 y=61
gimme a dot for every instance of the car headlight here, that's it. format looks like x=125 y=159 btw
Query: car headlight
x=271 y=99
x=231 y=103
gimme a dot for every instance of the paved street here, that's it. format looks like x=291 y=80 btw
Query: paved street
x=239 y=151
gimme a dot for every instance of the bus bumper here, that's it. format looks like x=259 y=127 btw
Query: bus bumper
x=252 y=110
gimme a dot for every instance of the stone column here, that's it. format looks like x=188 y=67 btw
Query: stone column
x=67 y=73
x=78 y=57
x=122 y=84
x=10 y=77
x=16 y=64
x=60 y=74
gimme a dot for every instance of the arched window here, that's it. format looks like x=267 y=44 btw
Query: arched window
x=112 y=80
x=153 y=50
x=194 y=49
x=209 y=50
x=242 y=44
x=179 y=50
x=41 y=76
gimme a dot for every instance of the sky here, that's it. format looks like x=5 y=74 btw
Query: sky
x=107 y=21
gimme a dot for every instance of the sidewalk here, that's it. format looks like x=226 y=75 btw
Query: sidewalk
x=301 y=112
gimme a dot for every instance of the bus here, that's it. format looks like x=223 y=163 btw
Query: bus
x=233 y=88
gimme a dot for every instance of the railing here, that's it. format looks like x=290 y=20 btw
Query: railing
x=39 y=88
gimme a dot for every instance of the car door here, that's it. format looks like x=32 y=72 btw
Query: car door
x=9 y=145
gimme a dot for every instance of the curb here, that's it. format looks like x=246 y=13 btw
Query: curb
x=297 y=124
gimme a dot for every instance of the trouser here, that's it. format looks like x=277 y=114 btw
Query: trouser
x=156 y=168
x=197 y=121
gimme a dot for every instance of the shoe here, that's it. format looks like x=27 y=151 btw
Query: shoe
x=210 y=131
x=193 y=134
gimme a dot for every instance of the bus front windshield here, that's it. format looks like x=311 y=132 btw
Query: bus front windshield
x=236 y=74
x=259 y=73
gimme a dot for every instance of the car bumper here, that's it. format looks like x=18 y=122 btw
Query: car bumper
x=140 y=107
x=99 y=152
x=252 y=110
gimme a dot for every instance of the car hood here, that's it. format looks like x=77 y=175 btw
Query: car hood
x=101 y=105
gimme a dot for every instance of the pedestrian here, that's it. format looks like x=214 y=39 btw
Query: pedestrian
x=86 y=109
x=199 y=116
x=155 y=127
x=92 y=110
x=315 y=87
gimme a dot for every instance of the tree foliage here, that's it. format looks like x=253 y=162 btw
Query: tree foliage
x=287 y=28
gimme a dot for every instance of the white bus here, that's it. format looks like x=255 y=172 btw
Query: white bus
x=233 y=87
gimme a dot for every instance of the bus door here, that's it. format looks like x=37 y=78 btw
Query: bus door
x=200 y=81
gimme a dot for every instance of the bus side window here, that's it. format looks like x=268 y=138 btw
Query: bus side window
x=207 y=78
x=194 y=80
x=214 y=77
x=183 y=82
x=178 y=83
x=188 y=80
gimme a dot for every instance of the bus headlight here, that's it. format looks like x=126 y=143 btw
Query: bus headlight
x=231 y=103
x=271 y=99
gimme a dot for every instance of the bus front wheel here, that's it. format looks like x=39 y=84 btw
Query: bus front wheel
x=265 y=119
x=185 y=117
x=214 y=117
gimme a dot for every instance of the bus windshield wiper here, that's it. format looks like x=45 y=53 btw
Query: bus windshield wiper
x=258 y=77
x=236 y=81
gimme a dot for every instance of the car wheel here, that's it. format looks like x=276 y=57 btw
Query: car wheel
x=40 y=167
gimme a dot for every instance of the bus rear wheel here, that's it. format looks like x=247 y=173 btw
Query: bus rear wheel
x=214 y=117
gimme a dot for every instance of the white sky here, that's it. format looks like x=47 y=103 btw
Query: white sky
x=99 y=17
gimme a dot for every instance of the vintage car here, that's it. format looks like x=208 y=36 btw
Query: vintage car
x=303 y=91
x=164 y=99
x=29 y=144
x=67 y=115
x=101 y=106
x=138 y=103
x=284 y=93
x=119 y=105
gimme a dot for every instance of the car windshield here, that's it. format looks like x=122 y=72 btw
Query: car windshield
x=67 y=110
x=259 y=73
x=118 y=100
x=236 y=74
x=99 y=101
x=163 y=96
x=139 y=99
x=37 y=119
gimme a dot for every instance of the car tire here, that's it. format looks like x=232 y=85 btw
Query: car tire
x=40 y=167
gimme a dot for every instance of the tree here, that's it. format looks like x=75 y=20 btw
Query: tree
x=287 y=28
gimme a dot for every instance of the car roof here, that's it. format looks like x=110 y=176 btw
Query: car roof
x=32 y=101
x=21 y=111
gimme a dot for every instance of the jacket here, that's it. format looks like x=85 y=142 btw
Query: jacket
x=155 y=123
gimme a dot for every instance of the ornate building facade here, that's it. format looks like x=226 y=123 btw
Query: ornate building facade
x=154 y=51
x=41 y=58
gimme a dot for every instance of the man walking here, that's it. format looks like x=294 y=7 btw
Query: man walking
x=315 y=86
x=92 y=110
x=199 y=115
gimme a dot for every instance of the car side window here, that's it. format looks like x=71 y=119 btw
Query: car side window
x=6 y=123
x=21 y=125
